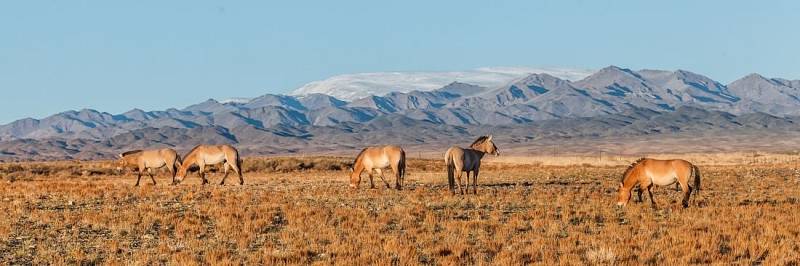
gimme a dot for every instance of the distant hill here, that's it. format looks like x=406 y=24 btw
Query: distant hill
x=611 y=102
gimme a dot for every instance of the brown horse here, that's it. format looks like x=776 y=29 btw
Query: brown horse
x=648 y=172
x=150 y=159
x=375 y=159
x=460 y=160
x=204 y=155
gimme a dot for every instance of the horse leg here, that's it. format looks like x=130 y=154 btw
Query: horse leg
x=226 y=166
x=687 y=191
x=380 y=174
x=139 y=174
x=202 y=172
x=173 y=171
x=458 y=175
x=238 y=169
x=650 y=192
x=150 y=172
x=639 y=192
x=475 y=182
x=397 y=181
x=466 y=182
x=371 y=182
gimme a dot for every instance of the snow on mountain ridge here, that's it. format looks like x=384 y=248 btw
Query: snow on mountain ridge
x=359 y=85
x=241 y=100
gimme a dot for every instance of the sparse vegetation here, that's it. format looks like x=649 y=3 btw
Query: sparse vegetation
x=300 y=211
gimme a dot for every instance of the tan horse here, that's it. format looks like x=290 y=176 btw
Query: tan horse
x=648 y=172
x=204 y=155
x=460 y=160
x=375 y=159
x=150 y=159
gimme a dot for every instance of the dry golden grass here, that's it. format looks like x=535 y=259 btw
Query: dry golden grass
x=68 y=213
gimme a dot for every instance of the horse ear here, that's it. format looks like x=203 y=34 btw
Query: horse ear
x=119 y=155
x=489 y=138
x=621 y=185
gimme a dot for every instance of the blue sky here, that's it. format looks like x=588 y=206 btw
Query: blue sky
x=112 y=56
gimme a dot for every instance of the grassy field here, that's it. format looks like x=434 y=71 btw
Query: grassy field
x=300 y=211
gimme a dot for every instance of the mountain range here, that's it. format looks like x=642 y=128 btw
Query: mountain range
x=611 y=102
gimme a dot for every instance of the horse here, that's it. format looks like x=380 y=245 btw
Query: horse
x=460 y=160
x=149 y=160
x=375 y=159
x=203 y=155
x=648 y=172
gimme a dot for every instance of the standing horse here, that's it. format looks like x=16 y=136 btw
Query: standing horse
x=648 y=172
x=377 y=158
x=149 y=160
x=460 y=160
x=203 y=155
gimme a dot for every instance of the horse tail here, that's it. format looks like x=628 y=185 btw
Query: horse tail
x=448 y=161
x=696 y=173
x=401 y=167
x=239 y=161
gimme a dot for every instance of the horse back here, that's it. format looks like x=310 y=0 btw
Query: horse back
x=394 y=153
x=380 y=157
x=454 y=155
x=662 y=169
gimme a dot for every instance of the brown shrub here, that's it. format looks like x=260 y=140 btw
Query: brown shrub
x=12 y=168
x=295 y=164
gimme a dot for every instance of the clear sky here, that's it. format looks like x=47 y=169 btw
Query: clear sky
x=113 y=56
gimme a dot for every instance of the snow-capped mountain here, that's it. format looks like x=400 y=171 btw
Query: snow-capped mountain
x=612 y=101
x=355 y=86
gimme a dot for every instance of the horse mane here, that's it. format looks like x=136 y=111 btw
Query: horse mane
x=193 y=149
x=130 y=152
x=359 y=156
x=480 y=140
x=630 y=168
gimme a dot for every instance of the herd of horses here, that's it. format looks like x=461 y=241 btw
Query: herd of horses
x=639 y=176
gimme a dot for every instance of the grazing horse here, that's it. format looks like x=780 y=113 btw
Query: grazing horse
x=460 y=160
x=648 y=172
x=204 y=155
x=374 y=159
x=149 y=160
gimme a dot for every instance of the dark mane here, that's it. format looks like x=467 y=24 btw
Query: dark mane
x=130 y=152
x=192 y=150
x=359 y=156
x=630 y=168
x=479 y=140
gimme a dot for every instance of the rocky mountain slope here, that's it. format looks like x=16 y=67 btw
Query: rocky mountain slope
x=612 y=101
